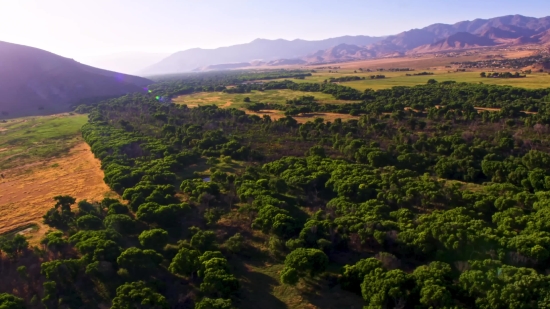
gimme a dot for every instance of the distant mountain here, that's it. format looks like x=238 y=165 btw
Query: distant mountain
x=512 y=29
x=460 y=40
x=506 y=30
x=126 y=62
x=341 y=52
x=34 y=81
x=259 y=49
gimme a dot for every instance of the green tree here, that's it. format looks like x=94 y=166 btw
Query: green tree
x=138 y=295
x=89 y=222
x=138 y=261
x=303 y=262
x=186 y=262
x=154 y=239
x=234 y=244
x=386 y=289
x=9 y=301
x=214 y=303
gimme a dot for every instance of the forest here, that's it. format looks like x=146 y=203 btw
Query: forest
x=436 y=196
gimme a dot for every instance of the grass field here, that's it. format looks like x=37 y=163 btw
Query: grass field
x=236 y=100
x=26 y=140
x=535 y=80
x=43 y=157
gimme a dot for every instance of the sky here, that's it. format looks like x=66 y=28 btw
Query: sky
x=83 y=28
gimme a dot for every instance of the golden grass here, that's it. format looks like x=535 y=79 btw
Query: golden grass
x=26 y=192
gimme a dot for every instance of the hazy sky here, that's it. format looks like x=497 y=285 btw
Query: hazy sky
x=78 y=28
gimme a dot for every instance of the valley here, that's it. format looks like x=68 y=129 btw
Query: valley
x=408 y=171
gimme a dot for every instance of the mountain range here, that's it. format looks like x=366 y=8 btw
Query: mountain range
x=34 y=81
x=499 y=31
x=259 y=49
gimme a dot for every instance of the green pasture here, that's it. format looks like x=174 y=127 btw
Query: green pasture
x=237 y=100
x=535 y=80
x=24 y=140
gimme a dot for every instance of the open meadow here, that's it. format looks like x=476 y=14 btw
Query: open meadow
x=532 y=81
x=44 y=157
x=237 y=100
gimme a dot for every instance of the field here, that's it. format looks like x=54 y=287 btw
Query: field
x=535 y=80
x=45 y=156
x=27 y=140
x=236 y=100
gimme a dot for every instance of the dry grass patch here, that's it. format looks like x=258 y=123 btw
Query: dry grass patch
x=276 y=114
x=26 y=192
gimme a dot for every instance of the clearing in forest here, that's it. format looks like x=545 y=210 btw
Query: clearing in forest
x=27 y=192
x=30 y=139
x=236 y=100
x=41 y=157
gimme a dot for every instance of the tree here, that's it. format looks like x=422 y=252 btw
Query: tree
x=123 y=224
x=235 y=243
x=138 y=261
x=138 y=295
x=154 y=239
x=9 y=301
x=214 y=303
x=303 y=262
x=203 y=240
x=354 y=274
x=186 y=262
x=89 y=222
x=386 y=289
x=219 y=283
x=54 y=241
x=246 y=100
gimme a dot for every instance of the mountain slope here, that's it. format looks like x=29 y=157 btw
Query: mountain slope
x=460 y=40
x=34 y=81
x=260 y=49
x=465 y=34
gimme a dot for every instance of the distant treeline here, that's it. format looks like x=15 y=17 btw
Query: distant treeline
x=502 y=75
x=344 y=79
x=168 y=86
x=421 y=73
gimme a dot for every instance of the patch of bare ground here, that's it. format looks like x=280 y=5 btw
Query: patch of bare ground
x=303 y=118
x=27 y=192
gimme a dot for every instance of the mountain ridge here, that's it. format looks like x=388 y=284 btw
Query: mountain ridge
x=34 y=81
x=259 y=49
x=503 y=30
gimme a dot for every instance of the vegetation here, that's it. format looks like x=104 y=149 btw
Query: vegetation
x=436 y=196
x=26 y=140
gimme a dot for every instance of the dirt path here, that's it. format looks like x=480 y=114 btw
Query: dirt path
x=27 y=192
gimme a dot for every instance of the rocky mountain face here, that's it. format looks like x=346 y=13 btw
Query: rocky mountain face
x=34 y=81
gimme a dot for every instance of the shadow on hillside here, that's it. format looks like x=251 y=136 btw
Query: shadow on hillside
x=256 y=289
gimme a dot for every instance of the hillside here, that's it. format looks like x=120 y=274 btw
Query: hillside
x=260 y=49
x=505 y=30
x=460 y=40
x=466 y=34
x=34 y=81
